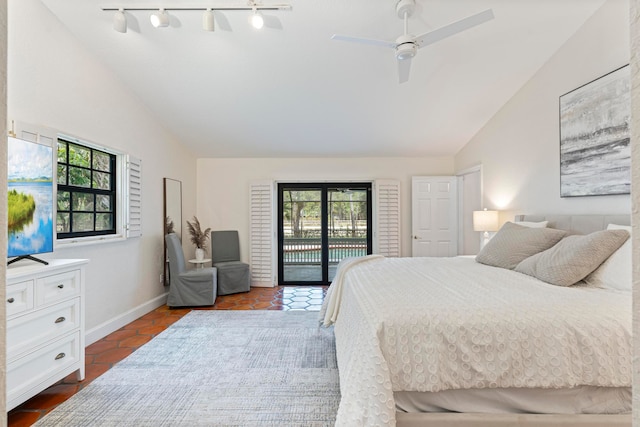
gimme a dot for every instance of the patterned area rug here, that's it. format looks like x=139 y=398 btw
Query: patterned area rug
x=217 y=368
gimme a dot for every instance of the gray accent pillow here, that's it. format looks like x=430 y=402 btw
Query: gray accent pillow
x=514 y=243
x=573 y=258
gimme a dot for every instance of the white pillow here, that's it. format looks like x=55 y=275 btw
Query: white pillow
x=541 y=224
x=615 y=272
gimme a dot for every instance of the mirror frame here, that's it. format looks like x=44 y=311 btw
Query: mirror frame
x=172 y=208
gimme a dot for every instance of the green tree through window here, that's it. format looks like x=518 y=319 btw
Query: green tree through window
x=86 y=191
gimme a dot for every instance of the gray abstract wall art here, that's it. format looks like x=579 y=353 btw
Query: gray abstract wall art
x=595 y=149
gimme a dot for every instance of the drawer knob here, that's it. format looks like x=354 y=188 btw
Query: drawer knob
x=60 y=356
x=61 y=285
x=60 y=319
x=10 y=300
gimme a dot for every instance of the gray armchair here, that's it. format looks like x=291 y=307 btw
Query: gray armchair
x=233 y=275
x=188 y=288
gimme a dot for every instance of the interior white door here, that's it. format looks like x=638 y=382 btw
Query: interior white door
x=469 y=200
x=434 y=216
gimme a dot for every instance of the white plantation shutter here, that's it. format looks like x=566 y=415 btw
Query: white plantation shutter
x=134 y=197
x=387 y=218
x=39 y=137
x=261 y=234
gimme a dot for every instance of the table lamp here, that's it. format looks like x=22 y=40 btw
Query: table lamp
x=485 y=221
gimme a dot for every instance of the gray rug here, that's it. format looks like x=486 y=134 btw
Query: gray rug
x=217 y=368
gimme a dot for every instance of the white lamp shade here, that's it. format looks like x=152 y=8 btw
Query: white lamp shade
x=485 y=220
x=208 y=21
x=159 y=19
x=120 y=22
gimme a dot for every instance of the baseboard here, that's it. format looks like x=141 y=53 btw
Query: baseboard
x=101 y=331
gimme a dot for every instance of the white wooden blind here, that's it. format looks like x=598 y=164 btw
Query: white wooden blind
x=134 y=197
x=387 y=235
x=39 y=137
x=261 y=234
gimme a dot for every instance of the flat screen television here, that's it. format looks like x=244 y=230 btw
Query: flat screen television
x=30 y=199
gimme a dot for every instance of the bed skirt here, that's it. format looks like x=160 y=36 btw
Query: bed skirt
x=510 y=420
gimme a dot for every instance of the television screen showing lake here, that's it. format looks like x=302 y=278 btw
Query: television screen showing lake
x=32 y=232
x=30 y=197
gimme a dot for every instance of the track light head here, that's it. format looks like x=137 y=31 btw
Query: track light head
x=160 y=19
x=256 y=19
x=120 y=21
x=208 y=21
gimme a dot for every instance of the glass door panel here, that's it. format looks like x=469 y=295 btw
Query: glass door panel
x=347 y=225
x=301 y=235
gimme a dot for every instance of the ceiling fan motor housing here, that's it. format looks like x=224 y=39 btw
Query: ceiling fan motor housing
x=406 y=47
x=406 y=50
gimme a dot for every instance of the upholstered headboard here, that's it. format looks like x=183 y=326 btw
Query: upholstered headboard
x=578 y=224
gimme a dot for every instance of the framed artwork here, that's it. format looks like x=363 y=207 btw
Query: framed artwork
x=595 y=149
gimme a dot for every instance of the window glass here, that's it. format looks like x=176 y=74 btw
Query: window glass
x=79 y=156
x=86 y=191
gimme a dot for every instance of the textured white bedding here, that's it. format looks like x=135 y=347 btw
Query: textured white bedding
x=431 y=324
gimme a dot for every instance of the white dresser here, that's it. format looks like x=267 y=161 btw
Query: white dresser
x=45 y=326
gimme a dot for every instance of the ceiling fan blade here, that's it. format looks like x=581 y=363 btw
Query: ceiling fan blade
x=373 y=42
x=404 y=66
x=454 y=28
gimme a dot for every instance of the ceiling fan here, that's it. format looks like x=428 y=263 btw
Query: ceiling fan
x=406 y=46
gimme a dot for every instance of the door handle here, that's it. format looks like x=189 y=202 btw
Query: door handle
x=415 y=237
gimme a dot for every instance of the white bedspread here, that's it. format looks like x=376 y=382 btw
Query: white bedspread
x=431 y=324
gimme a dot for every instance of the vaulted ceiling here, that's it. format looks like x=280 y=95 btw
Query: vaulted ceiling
x=288 y=90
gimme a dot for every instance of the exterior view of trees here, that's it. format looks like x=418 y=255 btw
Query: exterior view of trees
x=347 y=214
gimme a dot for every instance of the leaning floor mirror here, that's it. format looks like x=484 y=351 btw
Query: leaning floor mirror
x=172 y=216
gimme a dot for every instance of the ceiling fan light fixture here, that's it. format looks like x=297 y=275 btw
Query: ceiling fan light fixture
x=208 y=21
x=406 y=51
x=159 y=19
x=256 y=19
x=120 y=21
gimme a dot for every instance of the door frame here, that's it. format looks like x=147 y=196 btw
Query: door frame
x=324 y=187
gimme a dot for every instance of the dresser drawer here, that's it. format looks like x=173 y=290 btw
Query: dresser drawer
x=19 y=297
x=35 y=369
x=27 y=331
x=57 y=287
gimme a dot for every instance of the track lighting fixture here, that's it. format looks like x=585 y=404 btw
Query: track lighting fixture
x=256 y=20
x=160 y=19
x=208 y=22
x=120 y=21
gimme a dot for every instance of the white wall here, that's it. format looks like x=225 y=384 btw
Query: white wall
x=519 y=148
x=54 y=81
x=223 y=185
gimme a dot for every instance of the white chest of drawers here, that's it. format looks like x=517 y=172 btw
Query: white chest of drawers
x=45 y=326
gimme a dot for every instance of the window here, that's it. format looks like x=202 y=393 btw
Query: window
x=86 y=191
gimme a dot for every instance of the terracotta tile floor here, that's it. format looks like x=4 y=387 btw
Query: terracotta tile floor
x=103 y=354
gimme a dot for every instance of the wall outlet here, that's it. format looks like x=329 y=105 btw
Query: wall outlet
x=162 y=278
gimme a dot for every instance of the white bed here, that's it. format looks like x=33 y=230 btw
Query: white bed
x=451 y=334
